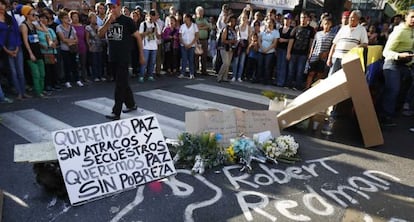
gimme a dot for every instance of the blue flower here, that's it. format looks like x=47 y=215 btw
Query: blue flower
x=219 y=137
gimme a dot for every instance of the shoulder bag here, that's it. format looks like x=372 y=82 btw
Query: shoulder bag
x=198 y=50
x=74 y=47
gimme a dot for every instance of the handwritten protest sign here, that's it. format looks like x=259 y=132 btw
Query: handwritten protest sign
x=232 y=123
x=103 y=159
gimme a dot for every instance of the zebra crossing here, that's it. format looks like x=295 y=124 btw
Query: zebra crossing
x=170 y=127
x=36 y=126
x=184 y=101
x=32 y=125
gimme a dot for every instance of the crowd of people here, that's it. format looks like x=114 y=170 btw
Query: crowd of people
x=51 y=50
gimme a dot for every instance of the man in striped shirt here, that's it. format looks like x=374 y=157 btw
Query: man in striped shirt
x=348 y=37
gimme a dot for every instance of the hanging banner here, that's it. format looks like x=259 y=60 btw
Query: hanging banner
x=284 y=4
x=104 y=159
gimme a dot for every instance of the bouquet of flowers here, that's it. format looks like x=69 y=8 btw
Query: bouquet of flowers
x=244 y=150
x=201 y=150
x=274 y=95
x=283 y=148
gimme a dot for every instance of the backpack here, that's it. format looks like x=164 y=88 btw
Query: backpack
x=145 y=26
x=219 y=43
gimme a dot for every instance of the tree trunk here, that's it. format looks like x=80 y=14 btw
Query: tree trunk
x=335 y=8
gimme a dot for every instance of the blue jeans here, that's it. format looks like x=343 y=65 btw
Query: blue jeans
x=150 y=59
x=296 y=68
x=97 y=68
x=187 y=58
x=1 y=94
x=392 y=75
x=264 y=67
x=410 y=94
x=16 y=70
x=238 y=65
x=281 y=67
x=336 y=65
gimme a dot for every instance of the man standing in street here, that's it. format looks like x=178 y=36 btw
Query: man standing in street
x=398 y=64
x=203 y=26
x=298 y=48
x=348 y=37
x=119 y=30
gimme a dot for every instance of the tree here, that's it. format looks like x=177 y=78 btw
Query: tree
x=335 y=8
x=401 y=5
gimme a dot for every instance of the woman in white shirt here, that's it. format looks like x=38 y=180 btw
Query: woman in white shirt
x=239 y=56
x=188 y=39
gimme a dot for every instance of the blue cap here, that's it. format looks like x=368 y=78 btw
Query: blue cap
x=113 y=2
x=288 y=16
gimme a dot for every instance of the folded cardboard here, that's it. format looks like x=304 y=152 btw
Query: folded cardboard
x=349 y=82
x=232 y=123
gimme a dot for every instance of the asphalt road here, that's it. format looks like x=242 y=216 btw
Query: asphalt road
x=337 y=179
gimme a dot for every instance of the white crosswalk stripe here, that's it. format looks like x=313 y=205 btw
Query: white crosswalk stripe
x=251 y=97
x=36 y=126
x=170 y=127
x=184 y=100
x=32 y=125
x=261 y=87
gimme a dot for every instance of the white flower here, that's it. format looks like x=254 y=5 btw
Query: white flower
x=282 y=145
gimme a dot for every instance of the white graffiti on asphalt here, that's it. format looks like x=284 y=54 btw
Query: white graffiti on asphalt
x=370 y=181
x=139 y=197
x=179 y=189
x=356 y=184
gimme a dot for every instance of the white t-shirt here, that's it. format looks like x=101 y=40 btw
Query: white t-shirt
x=243 y=34
x=59 y=28
x=348 y=38
x=149 y=41
x=188 y=33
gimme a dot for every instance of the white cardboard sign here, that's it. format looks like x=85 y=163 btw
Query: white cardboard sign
x=104 y=159
x=232 y=123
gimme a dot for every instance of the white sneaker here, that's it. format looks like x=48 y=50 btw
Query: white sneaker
x=68 y=85
x=97 y=80
x=192 y=77
x=103 y=79
x=233 y=79
x=79 y=83
x=239 y=80
x=181 y=76
x=406 y=106
x=411 y=129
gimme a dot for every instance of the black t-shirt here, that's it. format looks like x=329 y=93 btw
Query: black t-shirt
x=302 y=36
x=284 y=45
x=120 y=39
x=34 y=43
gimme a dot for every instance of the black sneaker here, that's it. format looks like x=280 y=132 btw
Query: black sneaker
x=112 y=117
x=388 y=122
x=57 y=88
x=127 y=110
x=328 y=126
